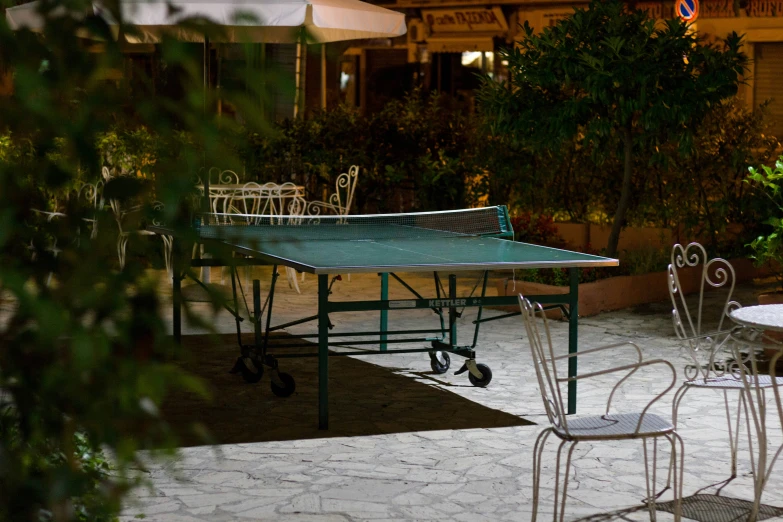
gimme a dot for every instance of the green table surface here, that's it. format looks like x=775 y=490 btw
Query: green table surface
x=357 y=249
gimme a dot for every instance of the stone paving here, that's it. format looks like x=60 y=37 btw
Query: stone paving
x=477 y=474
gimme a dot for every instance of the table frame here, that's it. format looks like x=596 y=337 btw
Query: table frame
x=752 y=386
x=568 y=302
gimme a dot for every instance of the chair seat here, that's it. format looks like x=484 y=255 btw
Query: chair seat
x=620 y=425
x=733 y=383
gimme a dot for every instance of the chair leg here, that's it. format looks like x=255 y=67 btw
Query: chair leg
x=538 y=451
x=744 y=402
x=679 y=469
x=292 y=279
x=675 y=406
x=122 y=244
x=760 y=470
x=565 y=477
x=733 y=434
x=651 y=484
x=168 y=246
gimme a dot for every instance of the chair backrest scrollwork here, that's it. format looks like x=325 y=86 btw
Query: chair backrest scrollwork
x=341 y=200
x=223 y=177
x=702 y=336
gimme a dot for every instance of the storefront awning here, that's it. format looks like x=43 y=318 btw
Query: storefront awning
x=459 y=44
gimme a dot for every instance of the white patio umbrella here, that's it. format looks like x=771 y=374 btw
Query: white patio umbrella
x=264 y=21
x=258 y=21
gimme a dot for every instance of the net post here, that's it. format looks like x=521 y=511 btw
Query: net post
x=505 y=228
x=323 y=352
x=384 y=312
x=573 y=321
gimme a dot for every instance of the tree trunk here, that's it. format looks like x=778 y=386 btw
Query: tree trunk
x=625 y=195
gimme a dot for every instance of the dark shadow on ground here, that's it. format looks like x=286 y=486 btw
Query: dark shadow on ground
x=364 y=399
x=700 y=507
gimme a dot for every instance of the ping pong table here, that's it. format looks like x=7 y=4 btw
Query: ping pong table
x=387 y=244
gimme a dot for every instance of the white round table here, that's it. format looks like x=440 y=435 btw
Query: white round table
x=760 y=317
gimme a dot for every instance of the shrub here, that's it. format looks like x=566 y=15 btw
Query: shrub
x=418 y=153
x=539 y=229
x=86 y=359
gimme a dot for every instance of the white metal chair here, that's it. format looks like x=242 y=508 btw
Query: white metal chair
x=52 y=247
x=89 y=193
x=120 y=216
x=710 y=359
x=339 y=202
x=572 y=430
x=271 y=199
x=224 y=185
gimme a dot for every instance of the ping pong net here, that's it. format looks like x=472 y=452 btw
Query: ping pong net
x=486 y=221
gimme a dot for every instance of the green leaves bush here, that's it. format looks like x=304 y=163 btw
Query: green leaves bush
x=86 y=360
x=420 y=153
x=768 y=245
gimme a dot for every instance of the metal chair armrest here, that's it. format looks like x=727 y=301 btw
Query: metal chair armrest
x=602 y=348
x=633 y=368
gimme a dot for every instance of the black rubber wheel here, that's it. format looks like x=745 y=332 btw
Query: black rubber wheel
x=251 y=376
x=438 y=366
x=289 y=385
x=485 y=379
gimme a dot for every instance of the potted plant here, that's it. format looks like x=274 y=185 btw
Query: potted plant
x=768 y=247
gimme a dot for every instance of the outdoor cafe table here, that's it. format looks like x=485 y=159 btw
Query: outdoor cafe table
x=222 y=195
x=389 y=244
x=759 y=318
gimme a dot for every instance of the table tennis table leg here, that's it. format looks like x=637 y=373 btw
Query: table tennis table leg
x=452 y=310
x=384 y=312
x=323 y=352
x=573 y=323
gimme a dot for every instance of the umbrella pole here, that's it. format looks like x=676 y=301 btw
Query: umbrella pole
x=205 y=199
x=323 y=76
x=297 y=78
x=205 y=275
x=301 y=67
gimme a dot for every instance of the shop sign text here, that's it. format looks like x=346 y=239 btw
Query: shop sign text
x=465 y=20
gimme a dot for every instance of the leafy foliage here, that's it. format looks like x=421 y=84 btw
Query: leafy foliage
x=769 y=245
x=418 y=153
x=86 y=361
x=539 y=229
x=614 y=80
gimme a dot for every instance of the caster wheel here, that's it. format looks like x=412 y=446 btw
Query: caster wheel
x=250 y=370
x=287 y=388
x=485 y=372
x=440 y=362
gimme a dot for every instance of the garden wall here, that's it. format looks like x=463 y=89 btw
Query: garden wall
x=578 y=235
x=616 y=293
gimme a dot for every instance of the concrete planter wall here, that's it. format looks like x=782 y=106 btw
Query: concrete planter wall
x=620 y=292
x=577 y=235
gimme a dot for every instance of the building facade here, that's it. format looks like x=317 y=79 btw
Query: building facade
x=449 y=41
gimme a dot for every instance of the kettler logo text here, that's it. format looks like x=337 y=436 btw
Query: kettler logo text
x=437 y=303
